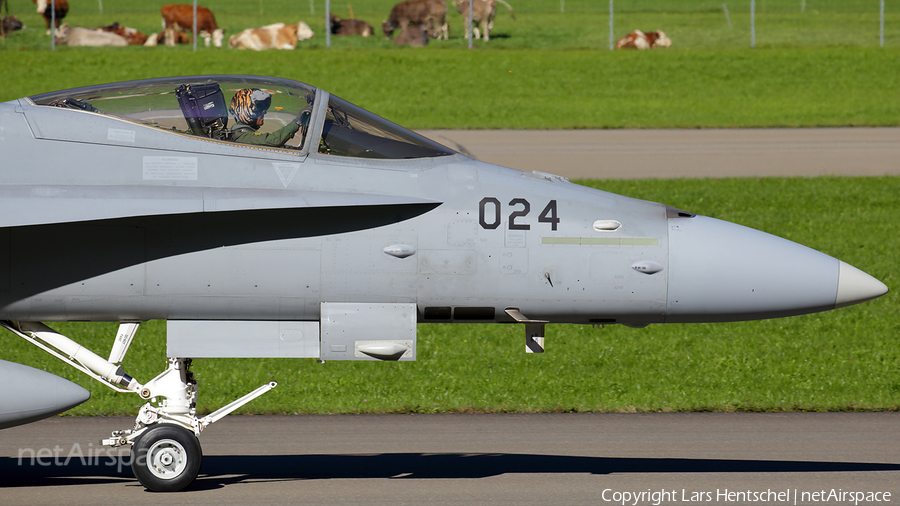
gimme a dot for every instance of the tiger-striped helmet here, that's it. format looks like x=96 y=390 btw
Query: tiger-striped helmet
x=249 y=104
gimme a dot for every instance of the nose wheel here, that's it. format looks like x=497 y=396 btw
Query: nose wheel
x=166 y=458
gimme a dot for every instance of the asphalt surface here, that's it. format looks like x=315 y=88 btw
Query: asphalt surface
x=639 y=154
x=477 y=459
x=639 y=459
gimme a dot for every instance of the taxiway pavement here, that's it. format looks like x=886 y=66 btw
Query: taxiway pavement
x=639 y=154
x=519 y=459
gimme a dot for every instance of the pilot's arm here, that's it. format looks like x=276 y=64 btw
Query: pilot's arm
x=275 y=139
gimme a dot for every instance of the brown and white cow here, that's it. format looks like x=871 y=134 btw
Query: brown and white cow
x=431 y=14
x=483 y=12
x=350 y=27
x=134 y=37
x=60 y=6
x=277 y=36
x=160 y=38
x=643 y=40
x=180 y=17
x=88 y=37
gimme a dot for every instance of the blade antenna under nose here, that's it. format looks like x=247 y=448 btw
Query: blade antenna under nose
x=534 y=330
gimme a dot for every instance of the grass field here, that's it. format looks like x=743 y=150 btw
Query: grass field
x=838 y=360
x=546 y=69
x=520 y=88
x=544 y=24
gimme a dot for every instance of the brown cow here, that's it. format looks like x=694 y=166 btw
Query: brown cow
x=413 y=36
x=10 y=24
x=644 y=40
x=350 y=27
x=181 y=17
x=483 y=11
x=60 y=6
x=431 y=14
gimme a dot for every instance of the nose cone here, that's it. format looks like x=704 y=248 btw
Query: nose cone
x=28 y=394
x=720 y=271
x=855 y=286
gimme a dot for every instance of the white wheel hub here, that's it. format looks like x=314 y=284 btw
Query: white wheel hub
x=166 y=459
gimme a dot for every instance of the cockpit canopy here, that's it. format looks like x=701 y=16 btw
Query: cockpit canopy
x=198 y=106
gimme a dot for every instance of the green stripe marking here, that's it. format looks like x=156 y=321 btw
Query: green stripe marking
x=601 y=241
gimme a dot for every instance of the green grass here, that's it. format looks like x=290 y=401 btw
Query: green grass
x=530 y=89
x=839 y=360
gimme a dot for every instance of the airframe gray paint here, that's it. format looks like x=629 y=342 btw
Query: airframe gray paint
x=242 y=339
x=722 y=271
x=344 y=327
x=347 y=327
x=139 y=259
x=30 y=394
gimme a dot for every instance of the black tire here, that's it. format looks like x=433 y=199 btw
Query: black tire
x=166 y=458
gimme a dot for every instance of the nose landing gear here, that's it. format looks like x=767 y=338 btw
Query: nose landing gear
x=166 y=454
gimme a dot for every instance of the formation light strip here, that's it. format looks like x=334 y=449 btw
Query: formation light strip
x=601 y=241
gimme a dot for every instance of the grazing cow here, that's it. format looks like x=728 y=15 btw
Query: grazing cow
x=277 y=36
x=78 y=36
x=428 y=13
x=134 y=37
x=350 y=27
x=413 y=36
x=644 y=40
x=60 y=6
x=180 y=17
x=10 y=24
x=483 y=11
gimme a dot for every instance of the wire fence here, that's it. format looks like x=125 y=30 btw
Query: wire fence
x=576 y=24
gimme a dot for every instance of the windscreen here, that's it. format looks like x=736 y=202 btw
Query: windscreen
x=352 y=131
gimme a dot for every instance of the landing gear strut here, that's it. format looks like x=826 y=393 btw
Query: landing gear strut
x=166 y=454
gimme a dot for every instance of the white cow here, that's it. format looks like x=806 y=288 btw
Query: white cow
x=644 y=40
x=277 y=36
x=78 y=36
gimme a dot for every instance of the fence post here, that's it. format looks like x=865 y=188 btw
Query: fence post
x=610 y=25
x=328 y=24
x=470 y=27
x=752 y=23
x=52 y=25
x=195 y=26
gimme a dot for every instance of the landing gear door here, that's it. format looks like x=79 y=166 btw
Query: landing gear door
x=368 y=331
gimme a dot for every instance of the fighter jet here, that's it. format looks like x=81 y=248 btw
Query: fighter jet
x=263 y=217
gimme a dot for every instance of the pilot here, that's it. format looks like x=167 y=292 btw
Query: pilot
x=249 y=107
